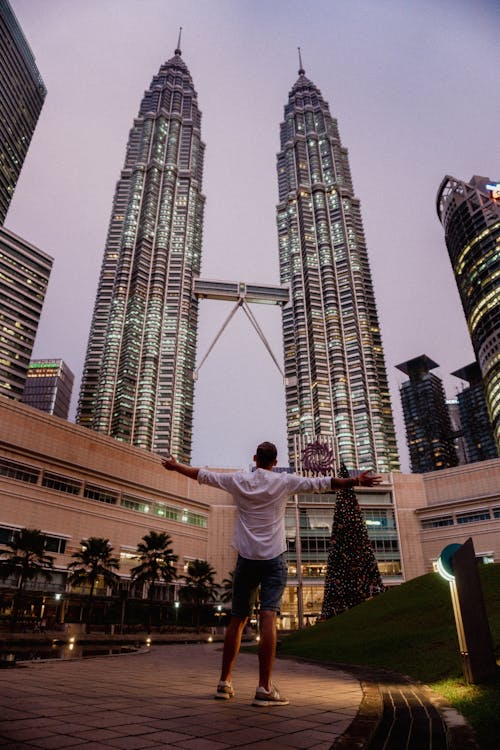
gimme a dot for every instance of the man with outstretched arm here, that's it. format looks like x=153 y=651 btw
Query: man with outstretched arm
x=259 y=538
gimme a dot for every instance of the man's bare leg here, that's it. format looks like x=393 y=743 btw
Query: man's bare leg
x=267 y=647
x=232 y=642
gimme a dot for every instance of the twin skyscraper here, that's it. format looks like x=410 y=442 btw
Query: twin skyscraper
x=138 y=383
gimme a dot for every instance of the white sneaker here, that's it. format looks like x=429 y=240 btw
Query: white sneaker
x=224 y=690
x=271 y=697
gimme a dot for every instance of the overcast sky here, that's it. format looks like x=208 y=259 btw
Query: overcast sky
x=414 y=85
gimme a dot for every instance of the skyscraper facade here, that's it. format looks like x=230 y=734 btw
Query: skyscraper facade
x=475 y=422
x=429 y=432
x=137 y=381
x=24 y=276
x=22 y=94
x=49 y=384
x=470 y=215
x=336 y=380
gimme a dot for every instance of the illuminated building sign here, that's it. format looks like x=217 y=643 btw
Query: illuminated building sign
x=494 y=189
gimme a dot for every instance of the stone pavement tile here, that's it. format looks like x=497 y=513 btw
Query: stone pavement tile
x=264 y=719
x=35 y=721
x=104 y=719
x=96 y=734
x=29 y=733
x=19 y=746
x=327 y=717
x=304 y=740
x=168 y=737
x=247 y=734
x=205 y=744
x=286 y=726
x=12 y=714
x=56 y=741
x=67 y=727
x=195 y=729
x=130 y=743
x=131 y=730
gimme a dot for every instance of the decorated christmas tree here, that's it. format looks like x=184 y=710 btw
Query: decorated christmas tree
x=352 y=574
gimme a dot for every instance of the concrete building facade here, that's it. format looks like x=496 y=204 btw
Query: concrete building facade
x=72 y=483
x=24 y=277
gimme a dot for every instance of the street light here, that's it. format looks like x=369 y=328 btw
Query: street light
x=457 y=564
x=176 y=607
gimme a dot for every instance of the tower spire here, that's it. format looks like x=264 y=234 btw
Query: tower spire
x=301 y=69
x=178 y=50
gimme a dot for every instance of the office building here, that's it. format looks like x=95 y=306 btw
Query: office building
x=137 y=383
x=336 y=380
x=48 y=387
x=22 y=94
x=429 y=433
x=456 y=428
x=24 y=276
x=470 y=215
x=475 y=423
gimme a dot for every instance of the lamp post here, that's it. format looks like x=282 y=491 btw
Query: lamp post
x=218 y=614
x=59 y=608
x=457 y=564
x=176 y=608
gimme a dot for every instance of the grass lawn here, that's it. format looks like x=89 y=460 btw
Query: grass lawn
x=411 y=629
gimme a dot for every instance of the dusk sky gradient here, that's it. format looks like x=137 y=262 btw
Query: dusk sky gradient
x=414 y=85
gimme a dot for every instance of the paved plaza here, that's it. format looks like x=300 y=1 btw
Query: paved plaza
x=163 y=699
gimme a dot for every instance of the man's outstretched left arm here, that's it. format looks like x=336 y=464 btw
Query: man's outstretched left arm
x=365 y=479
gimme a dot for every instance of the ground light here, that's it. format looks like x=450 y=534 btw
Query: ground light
x=457 y=564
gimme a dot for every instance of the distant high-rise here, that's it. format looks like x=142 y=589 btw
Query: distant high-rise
x=429 y=432
x=457 y=432
x=24 y=276
x=48 y=387
x=336 y=380
x=22 y=93
x=137 y=381
x=474 y=418
x=470 y=215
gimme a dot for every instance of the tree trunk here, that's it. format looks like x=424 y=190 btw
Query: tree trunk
x=89 y=613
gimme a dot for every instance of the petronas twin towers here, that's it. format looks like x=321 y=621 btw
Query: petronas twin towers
x=138 y=383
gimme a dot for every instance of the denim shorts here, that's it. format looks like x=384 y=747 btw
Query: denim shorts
x=270 y=575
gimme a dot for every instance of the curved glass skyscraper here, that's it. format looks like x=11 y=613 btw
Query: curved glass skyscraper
x=470 y=215
x=138 y=375
x=336 y=380
x=22 y=94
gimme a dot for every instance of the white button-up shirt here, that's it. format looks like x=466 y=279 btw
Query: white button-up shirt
x=260 y=497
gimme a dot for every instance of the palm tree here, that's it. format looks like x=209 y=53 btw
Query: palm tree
x=226 y=588
x=199 y=586
x=157 y=563
x=25 y=558
x=93 y=561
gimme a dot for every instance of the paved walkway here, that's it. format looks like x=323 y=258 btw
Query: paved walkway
x=163 y=699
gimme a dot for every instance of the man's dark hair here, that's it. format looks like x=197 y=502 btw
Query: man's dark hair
x=265 y=455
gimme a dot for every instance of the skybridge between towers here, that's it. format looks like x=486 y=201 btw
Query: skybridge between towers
x=243 y=295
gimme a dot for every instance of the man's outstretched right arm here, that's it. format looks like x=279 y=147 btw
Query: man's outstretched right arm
x=171 y=464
